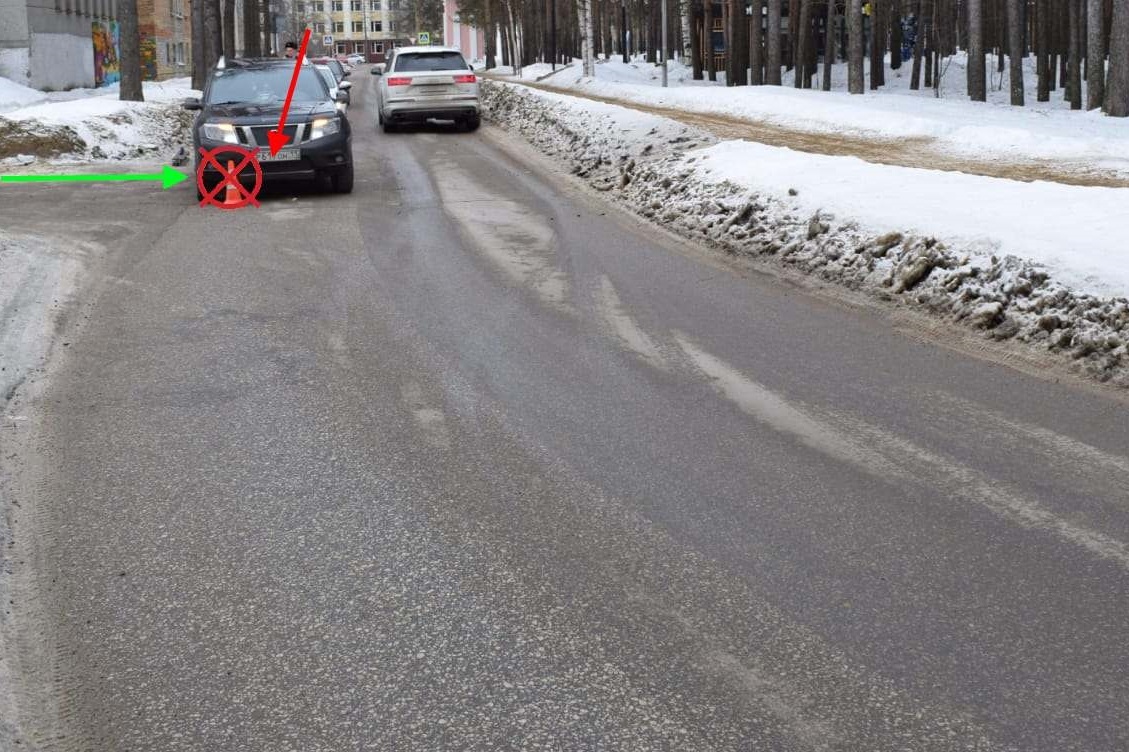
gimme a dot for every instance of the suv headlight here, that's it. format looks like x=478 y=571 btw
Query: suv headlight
x=220 y=132
x=323 y=127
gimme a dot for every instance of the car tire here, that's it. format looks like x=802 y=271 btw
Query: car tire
x=389 y=126
x=471 y=123
x=342 y=182
x=379 y=116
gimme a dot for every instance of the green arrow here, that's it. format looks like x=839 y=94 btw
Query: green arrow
x=168 y=177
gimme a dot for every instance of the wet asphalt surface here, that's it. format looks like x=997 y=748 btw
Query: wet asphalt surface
x=465 y=461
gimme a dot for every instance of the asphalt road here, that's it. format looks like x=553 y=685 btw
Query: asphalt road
x=466 y=461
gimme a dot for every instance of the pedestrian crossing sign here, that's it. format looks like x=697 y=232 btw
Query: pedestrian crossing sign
x=424 y=39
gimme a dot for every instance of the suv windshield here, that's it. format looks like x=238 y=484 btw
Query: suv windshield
x=411 y=62
x=265 y=85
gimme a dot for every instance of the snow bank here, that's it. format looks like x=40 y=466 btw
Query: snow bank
x=13 y=95
x=957 y=126
x=100 y=126
x=966 y=248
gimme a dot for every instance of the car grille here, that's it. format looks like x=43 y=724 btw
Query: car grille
x=260 y=134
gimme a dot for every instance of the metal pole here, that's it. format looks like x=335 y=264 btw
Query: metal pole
x=553 y=32
x=665 y=43
x=623 y=29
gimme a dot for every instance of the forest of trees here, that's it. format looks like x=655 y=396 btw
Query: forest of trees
x=1077 y=45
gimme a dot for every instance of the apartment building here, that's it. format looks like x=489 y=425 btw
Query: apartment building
x=365 y=27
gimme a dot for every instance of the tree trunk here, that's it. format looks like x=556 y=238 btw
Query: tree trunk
x=229 y=29
x=491 y=35
x=977 y=84
x=1042 y=49
x=696 y=39
x=1015 y=51
x=740 y=39
x=1074 y=65
x=772 y=73
x=711 y=70
x=1095 y=55
x=1117 y=85
x=918 y=46
x=828 y=45
x=130 y=41
x=801 y=33
x=756 y=44
x=213 y=32
x=252 y=34
x=896 y=34
x=877 y=44
x=199 y=74
x=855 y=81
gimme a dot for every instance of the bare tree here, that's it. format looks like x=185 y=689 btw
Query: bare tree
x=1015 y=50
x=772 y=74
x=977 y=83
x=229 y=28
x=756 y=44
x=130 y=90
x=711 y=66
x=1074 y=54
x=802 y=36
x=918 y=46
x=1117 y=89
x=828 y=45
x=1095 y=54
x=855 y=82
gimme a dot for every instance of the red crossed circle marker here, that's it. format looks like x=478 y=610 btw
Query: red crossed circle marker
x=250 y=157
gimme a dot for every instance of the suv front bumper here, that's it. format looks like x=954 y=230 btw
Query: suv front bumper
x=326 y=156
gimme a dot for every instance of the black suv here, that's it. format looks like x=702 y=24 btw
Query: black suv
x=243 y=101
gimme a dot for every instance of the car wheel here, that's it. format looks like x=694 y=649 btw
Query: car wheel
x=379 y=116
x=343 y=181
x=389 y=126
x=472 y=123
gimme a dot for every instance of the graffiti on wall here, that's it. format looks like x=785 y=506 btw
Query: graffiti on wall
x=107 y=69
x=148 y=59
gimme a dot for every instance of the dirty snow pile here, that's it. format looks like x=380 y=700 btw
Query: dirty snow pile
x=1016 y=261
x=95 y=124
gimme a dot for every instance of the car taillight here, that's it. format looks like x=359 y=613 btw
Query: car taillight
x=471 y=79
x=399 y=82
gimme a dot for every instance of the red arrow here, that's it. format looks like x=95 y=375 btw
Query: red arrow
x=276 y=137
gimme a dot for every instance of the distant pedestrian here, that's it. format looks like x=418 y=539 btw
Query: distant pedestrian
x=291 y=50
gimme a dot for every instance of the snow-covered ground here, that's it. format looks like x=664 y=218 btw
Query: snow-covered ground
x=983 y=130
x=95 y=124
x=1039 y=263
x=14 y=96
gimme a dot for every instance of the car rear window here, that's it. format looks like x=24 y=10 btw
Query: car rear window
x=414 y=62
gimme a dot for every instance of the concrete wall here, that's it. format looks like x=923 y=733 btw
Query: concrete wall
x=61 y=61
x=14 y=41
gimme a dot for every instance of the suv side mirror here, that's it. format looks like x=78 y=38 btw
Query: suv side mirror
x=344 y=86
x=342 y=96
x=192 y=103
x=378 y=69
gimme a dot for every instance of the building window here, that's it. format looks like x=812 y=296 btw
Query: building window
x=378 y=48
x=319 y=27
x=359 y=48
x=180 y=53
x=338 y=27
x=338 y=6
x=356 y=6
x=358 y=27
x=340 y=49
x=375 y=25
x=374 y=5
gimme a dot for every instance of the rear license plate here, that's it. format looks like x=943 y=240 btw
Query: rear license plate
x=285 y=155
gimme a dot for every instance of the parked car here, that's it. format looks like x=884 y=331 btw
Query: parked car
x=335 y=65
x=338 y=90
x=243 y=101
x=355 y=59
x=426 y=83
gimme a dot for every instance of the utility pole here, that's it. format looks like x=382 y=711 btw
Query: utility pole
x=665 y=41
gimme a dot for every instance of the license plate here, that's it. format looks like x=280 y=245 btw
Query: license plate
x=284 y=155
